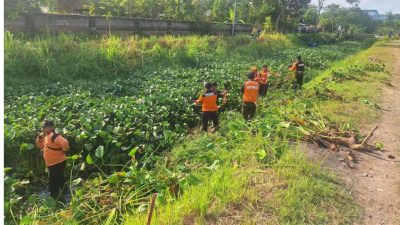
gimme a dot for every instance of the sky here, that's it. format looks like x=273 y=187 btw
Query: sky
x=383 y=6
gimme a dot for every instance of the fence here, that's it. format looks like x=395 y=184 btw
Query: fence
x=54 y=23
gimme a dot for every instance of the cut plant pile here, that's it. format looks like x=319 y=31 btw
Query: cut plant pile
x=347 y=141
x=333 y=140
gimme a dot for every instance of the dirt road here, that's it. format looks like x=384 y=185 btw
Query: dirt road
x=376 y=182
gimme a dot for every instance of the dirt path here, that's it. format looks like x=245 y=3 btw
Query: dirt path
x=375 y=180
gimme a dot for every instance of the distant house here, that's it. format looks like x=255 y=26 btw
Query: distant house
x=306 y=28
x=375 y=15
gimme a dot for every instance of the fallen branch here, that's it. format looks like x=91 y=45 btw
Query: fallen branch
x=371 y=133
x=349 y=142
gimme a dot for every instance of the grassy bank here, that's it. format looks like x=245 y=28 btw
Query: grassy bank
x=355 y=84
x=252 y=188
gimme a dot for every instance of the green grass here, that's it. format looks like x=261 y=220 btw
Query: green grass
x=361 y=96
x=279 y=186
x=220 y=179
x=313 y=195
x=199 y=202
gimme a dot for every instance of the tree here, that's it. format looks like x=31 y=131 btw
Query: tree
x=267 y=26
x=320 y=7
x=328 y=18
x=219 y=9
x=290 y=8
x=352 y=19
x=390 y=20
x=311 y=15
x=15 y=8
x=258 y=10
x=390 y=24
x=284 y=5
x=352 y=2
x=282 y=13
x=200 y=11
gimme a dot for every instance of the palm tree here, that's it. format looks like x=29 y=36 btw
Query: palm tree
x=232 y=18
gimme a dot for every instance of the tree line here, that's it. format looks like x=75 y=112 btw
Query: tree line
x=270 y=15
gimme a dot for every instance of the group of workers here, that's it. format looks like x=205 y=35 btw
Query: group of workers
x=54 y=146
x=255 y=86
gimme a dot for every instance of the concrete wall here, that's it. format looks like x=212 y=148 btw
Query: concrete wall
x=17 y=25
x=54 y=23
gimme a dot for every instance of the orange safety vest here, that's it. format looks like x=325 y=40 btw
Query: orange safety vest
x=251 y=91
x=54 y=147
x=263 y=77
x=294 y=67
x=209 y=101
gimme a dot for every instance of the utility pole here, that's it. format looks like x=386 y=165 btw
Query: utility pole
x=234 y=19
x=130 y=8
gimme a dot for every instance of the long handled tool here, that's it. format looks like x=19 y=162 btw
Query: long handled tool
x=152 y=204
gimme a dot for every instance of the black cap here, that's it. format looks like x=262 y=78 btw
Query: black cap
x=214 y=84
x=47 y=123
x=250 y=76
x=299 y=57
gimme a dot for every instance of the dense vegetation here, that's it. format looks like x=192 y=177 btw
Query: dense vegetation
x=253 y=12
x=124 y=103
x=278 y=15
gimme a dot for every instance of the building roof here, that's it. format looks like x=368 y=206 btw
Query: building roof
x=371 y=12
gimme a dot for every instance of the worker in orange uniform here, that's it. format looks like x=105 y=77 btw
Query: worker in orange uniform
x=298 y=68
x=220 y=94
x=250 y=91
x=54 y=148
x=209 y=107
x=262 y=79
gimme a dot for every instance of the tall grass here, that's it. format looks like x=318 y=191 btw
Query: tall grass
x=69 y=57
